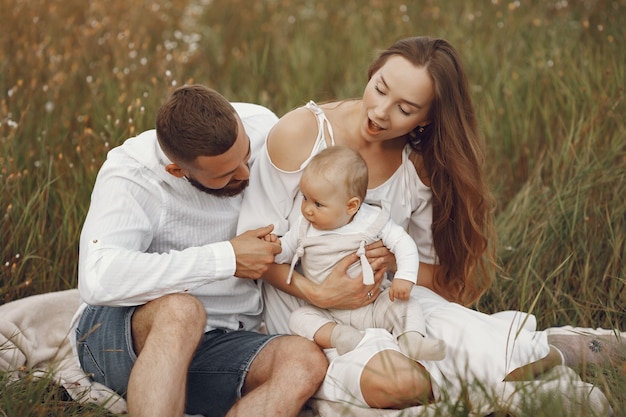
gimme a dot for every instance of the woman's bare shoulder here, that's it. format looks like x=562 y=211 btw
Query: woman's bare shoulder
x=291 y=140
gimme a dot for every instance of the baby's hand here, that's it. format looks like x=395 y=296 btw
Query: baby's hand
x=271 y=237
x=400 y=289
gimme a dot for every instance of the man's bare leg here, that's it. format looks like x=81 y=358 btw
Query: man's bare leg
x=166 y=332
x=283 y=376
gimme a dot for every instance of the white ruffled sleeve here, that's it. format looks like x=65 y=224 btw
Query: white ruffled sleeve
x=271 y=198
x=420 y=225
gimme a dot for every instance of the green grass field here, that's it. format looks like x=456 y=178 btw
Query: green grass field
x=548 y=77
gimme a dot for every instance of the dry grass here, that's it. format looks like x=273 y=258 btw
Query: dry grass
x=77 y=78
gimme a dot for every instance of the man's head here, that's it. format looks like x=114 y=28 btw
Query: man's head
x=200 y=132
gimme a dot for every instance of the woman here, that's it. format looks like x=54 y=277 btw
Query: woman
x=415 y=127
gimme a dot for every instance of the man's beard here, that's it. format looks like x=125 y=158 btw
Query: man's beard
x=219 y=192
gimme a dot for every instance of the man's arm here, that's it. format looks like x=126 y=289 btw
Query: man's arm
x=115 y=266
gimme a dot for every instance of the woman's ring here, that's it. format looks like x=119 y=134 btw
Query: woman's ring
x=369 y=294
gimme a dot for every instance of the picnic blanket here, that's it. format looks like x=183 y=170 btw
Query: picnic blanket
x=34 y=340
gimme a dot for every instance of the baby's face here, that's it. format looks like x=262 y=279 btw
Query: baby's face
x=324 y=204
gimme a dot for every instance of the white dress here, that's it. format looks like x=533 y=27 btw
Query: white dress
x=481 y=348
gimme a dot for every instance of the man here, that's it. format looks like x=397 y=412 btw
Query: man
x=170 y=297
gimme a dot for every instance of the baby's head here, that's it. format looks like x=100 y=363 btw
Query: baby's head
x=333 y=186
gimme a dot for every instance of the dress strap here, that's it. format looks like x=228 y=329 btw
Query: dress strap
x=322 y=125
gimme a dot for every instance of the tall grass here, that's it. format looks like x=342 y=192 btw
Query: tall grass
x=77 y=78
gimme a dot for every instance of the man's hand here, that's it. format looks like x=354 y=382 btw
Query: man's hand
x=253 y=253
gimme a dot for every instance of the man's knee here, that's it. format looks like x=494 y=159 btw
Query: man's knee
x=183 y=308
x=181 y=316
x=310 y=358
x=296 y=359
x=309 y=364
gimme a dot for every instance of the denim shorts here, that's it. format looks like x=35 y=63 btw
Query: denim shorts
x=216 y=374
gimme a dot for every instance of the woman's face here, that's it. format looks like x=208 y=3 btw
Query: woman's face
x=396 y=100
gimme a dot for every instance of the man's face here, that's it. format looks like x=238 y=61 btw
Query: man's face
x=224 y=175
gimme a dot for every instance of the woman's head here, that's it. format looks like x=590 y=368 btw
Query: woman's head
x=397 y=98
x=441 y=63
x=452 y=151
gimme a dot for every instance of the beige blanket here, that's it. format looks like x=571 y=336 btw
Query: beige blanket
x=34 y=339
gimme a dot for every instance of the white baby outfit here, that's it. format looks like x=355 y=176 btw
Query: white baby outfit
x=320 y=250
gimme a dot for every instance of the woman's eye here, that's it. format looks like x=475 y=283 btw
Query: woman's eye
x=405 y=112
x=378 y=90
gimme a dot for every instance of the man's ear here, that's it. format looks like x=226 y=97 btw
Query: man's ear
x=353 y=205
x=175 y=170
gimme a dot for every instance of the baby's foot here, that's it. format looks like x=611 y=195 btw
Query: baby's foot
x=345 y=338
x=417 y=347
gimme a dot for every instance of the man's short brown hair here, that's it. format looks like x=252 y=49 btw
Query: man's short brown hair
x=196 y=121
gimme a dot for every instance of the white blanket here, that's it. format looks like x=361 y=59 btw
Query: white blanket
x=34 y=339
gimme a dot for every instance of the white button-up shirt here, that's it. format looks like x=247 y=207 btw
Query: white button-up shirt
x=148 y=234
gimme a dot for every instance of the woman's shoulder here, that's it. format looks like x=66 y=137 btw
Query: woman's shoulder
x=292 y=138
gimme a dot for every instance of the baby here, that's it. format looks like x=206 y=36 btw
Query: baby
x=334 y=223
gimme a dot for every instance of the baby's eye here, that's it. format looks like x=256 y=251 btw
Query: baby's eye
x=318 y=205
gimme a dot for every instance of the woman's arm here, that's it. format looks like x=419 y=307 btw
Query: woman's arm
x=426 y=274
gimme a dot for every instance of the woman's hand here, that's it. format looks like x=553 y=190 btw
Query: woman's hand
x=377 y=252
x=341 y=291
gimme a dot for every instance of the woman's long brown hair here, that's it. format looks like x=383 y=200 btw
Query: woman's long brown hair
x=453 y=152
